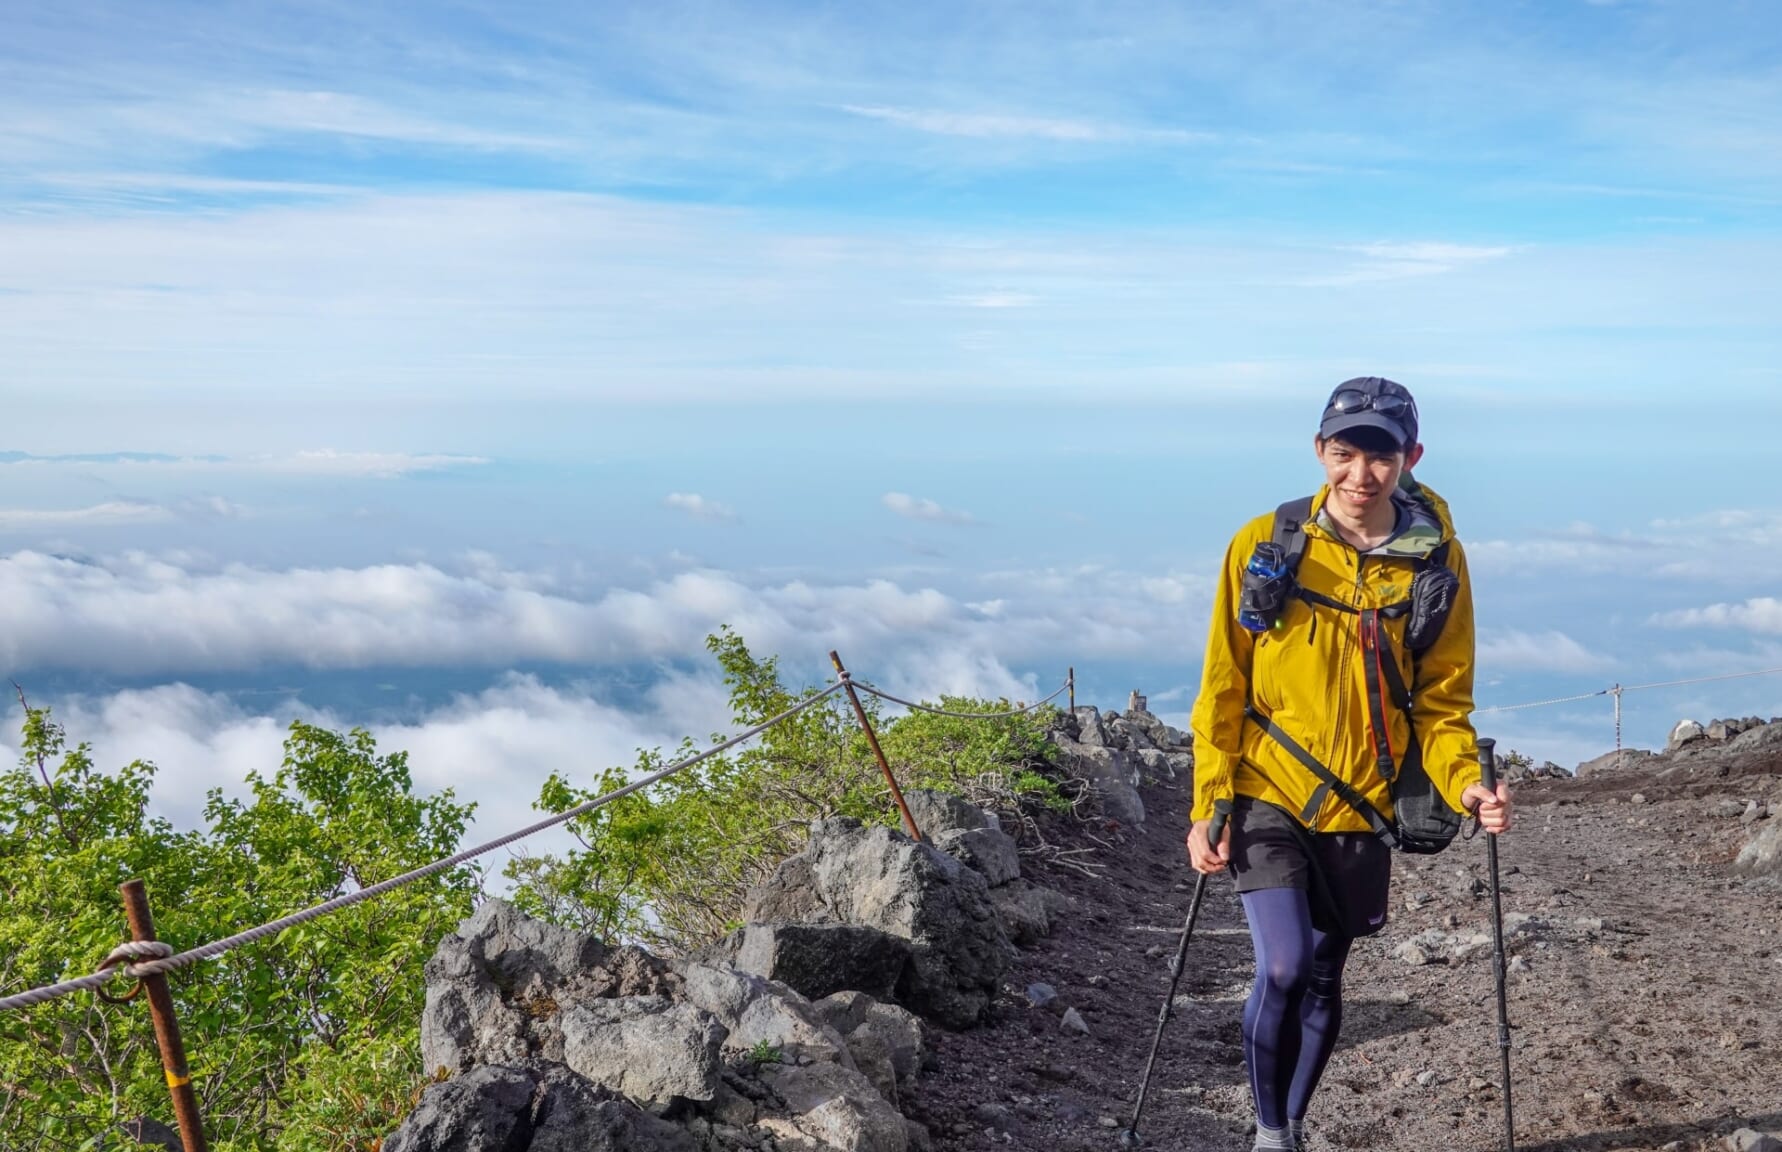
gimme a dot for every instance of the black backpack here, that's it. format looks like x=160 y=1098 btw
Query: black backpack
x=1422 y=822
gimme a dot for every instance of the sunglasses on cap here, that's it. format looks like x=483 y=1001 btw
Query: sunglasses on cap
x=1352 y=400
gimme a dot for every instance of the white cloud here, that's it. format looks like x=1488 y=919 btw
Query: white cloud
x=698 y=507
x=98 y=515
x=1550 y=651
x=137 y=614
x=915 y=508
x=494 y=747
x=1758 y=614
x=987 y=126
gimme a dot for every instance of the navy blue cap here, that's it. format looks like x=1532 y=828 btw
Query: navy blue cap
x=1371 y=402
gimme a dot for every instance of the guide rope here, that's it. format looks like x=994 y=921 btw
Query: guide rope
x=155 y=956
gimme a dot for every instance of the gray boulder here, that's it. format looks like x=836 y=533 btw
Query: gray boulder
x=646 y=1047
x=1762 y=856
x=884 y=1040
x=1027 y=910
x=1683 y=733
x=833 y=1109
x=991 y=852
x=939 y=812
x=1090 y=729
x=1607 y=762
x=1756 y=738
x=817 y=959
x=572 y=1115
x=755 y=1011
x=1113 y=774
x=546 y=1109
x=879 y=878
x=497 y=986
x=488 y=1109
x=1155 y=763
x=1130 y=736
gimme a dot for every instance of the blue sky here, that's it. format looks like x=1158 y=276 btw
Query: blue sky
x=481 y=359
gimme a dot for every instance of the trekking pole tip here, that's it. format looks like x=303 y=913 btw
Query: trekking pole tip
x=1129 y=1138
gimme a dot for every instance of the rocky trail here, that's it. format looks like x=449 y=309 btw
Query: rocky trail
x=889 y=996
x=1645 y=988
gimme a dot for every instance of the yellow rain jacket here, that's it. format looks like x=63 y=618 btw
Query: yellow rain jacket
x=1309 y=677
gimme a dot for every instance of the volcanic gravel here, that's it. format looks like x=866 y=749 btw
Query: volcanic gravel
x=1644 y=994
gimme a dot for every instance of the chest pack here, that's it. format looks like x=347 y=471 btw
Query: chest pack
x=1421 y=823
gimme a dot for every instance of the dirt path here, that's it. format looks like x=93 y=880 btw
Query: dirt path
x=1646 y=994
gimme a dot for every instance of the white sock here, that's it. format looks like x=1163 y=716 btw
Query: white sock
x=1297 y=1127
x=1273 y=1139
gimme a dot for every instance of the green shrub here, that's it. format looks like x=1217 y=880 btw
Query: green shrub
x=339 y=997
x=308 y=1041
x=671 y=865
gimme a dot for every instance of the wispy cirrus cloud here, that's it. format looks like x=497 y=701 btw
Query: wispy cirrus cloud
x=1401 y=261
x=317 y=462
x=698 y=507
x=1548 y=651
x=1758 y=614
x=111 y=512
x=917 y=508
x=995 y=300
x=1000 y=126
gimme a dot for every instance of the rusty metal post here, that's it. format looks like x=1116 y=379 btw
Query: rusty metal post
x=1071 y=677
x=909 y=821
x=173 y=1050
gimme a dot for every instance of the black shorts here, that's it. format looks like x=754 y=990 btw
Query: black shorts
x=1346 y=875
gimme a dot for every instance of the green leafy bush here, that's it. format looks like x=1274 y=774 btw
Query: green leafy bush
x=308 y=1041
x=265 y=1026
x=671 y=865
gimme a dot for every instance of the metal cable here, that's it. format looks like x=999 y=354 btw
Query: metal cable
x=1539 y=703
x=910 y=704
x=1703 y=679
x=1614 y=689
x=166 y=961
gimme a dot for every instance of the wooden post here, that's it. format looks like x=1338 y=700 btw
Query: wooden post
x=173 y=1050
x=909 y=821
x=1071 y=676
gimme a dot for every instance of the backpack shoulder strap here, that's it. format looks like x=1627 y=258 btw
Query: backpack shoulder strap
x=1290 y=529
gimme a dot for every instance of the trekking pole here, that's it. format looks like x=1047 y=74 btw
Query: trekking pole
x=1129 y=1137
x=1488 y=779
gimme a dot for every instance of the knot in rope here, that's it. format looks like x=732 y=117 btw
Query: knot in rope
x=136 y=950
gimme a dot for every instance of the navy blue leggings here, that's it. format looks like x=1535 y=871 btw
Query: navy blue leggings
x=1296 y=1009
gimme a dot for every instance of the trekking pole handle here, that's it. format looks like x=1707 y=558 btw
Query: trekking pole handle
x=1488 y=764
x=1221 y=814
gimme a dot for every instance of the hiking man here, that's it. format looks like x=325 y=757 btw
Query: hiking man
x=1335 y=679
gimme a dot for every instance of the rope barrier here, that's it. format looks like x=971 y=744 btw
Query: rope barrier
x=913 y=706
x=163 y=959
